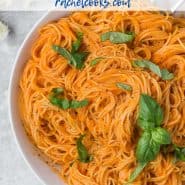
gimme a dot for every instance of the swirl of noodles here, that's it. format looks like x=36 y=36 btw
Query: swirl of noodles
x=109 y=121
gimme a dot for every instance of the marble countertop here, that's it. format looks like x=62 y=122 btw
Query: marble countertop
x=14 y=170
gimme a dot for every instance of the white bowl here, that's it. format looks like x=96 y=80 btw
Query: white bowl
x=39 y=167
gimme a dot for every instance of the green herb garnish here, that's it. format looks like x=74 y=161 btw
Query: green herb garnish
x=150 y=119
x=83 y=154
x=95 y=61
x=161 y=136
x=60 y=102
x=124 y=86
x=74 y=104
x=164 y=73
x=57 y=91
x=65 y=103
x=150 y=113
x=179 y=153
x=75 y=57
x=147 y=148
x=136 y=172
x=77 y=44
x=118 y=37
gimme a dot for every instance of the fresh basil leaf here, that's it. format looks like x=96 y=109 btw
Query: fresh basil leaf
x=147 y=149
x=74 y=58
x=64 y=103
x=78 y=104
x=57 y=91
x=149 y=65
x=95 y=61
x=136 y=172
x=179 y=153
x=67 y=104
x=124 y=86
x=150 y=113
x=117 y=37
x=161 y=136
x=66 y=54
x=76 y=45
x=83 y=154
x=61 y=103
x=164 y=73
x=149 y=119
x=80 y=59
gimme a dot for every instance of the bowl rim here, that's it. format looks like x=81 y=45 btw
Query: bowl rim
x=11 y=89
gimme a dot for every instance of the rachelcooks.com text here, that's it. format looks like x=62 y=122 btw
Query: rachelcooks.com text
x=67 y=4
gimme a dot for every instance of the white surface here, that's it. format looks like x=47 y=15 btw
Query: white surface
x=50 y=4
x=40 y=168
x=26 y=4
x=170 y=4
x=13 y=169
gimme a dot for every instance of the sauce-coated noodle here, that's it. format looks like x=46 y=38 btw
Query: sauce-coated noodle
x=109 y=121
